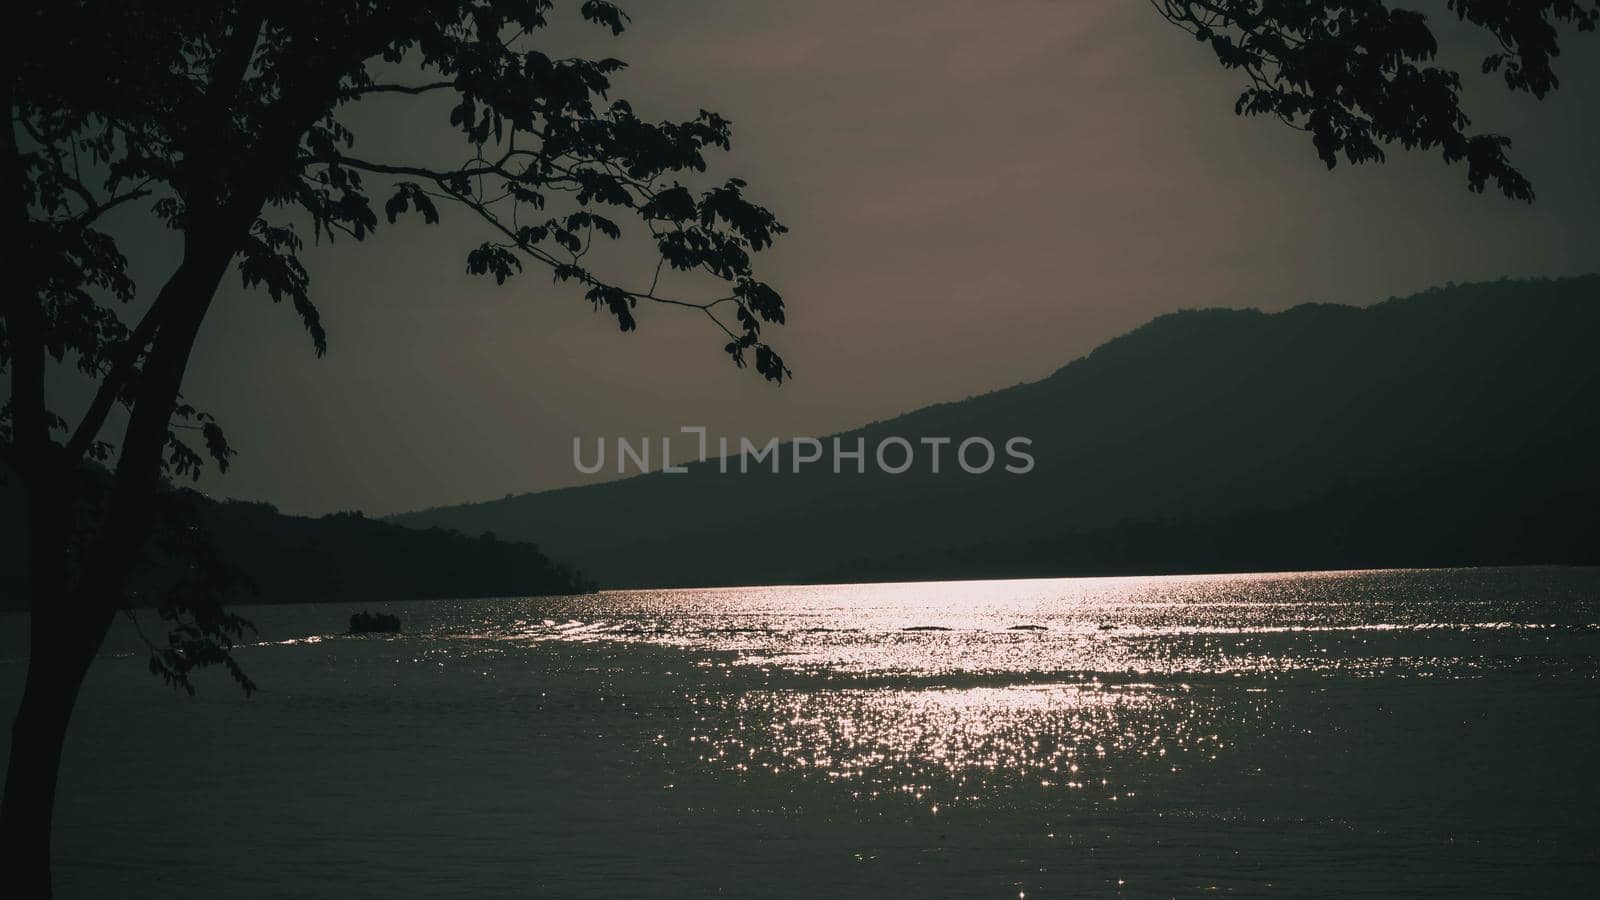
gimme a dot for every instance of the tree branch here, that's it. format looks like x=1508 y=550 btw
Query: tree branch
x=399 y=88
x=122 y=370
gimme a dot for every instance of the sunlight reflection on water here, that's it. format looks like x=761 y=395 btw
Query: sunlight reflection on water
x=946 y=746
x=1381 y=622
x=1386 y=733
x=947 y=692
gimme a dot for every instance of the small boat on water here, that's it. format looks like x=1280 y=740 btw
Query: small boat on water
x=365 y=622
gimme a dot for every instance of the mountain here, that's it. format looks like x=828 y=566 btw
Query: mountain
x=1456 y=426
x=348 y=557
x=343 y=557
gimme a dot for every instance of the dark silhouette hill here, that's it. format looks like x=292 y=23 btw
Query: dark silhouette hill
x=342 y=557
x=348 y=557
x=1457 y=426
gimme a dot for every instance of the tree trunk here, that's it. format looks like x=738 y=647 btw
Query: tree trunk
x=60 y=652
x=68 y=626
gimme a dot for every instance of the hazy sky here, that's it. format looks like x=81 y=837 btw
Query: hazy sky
x=978 y=192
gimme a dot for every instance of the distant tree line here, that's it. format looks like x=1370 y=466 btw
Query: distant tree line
x=251 y=553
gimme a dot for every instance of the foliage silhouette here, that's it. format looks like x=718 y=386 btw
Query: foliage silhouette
x=228 y=122
x=1357 y=74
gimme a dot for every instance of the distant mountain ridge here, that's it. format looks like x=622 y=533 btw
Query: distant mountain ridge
x=341 y=558
x=1456 y=426
x=347 y=557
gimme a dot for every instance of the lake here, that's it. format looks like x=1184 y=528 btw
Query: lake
x=1389 y=733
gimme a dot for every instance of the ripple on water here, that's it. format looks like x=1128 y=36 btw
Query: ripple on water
x=1443 y=622
x=947 y=745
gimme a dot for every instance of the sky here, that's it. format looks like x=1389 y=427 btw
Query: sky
x=977 y=194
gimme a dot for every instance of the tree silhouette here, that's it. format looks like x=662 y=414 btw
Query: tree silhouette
x=224 y=119
x=1358 y=75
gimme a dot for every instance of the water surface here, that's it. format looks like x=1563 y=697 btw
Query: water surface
x=1395 y=733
